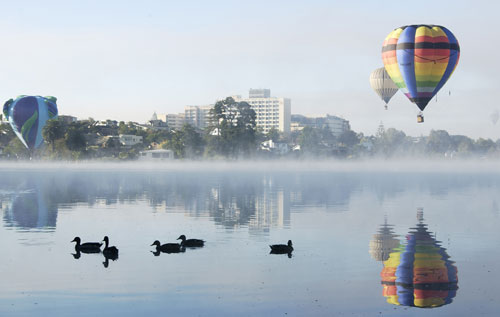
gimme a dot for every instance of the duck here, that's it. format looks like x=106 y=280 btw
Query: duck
x=191 y=243
x=87 y=247
x=109 y=252
x=282 y=248
x=168 y=247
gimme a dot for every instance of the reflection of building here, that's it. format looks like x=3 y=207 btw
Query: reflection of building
x=156 y=155
x=252 y=201
x=272 y=112
x=272 y=209
x=383 y=242
x=419 y=272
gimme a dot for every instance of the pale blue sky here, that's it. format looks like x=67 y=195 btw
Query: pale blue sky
x=126 y=59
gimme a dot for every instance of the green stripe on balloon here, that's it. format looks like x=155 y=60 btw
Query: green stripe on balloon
x=27 y=126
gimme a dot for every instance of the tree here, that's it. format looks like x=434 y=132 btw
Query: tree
x=75 y=140
x=483 y=146
x=349 y=138
x=6 y=134
x=309 y=140
x=186 y=142
x=439 y=141
x=391 y=141
x=233 y=129
x=273 y=134
x=192 y=141
x=53 y=130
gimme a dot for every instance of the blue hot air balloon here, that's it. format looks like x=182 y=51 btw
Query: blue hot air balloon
x=28 y=115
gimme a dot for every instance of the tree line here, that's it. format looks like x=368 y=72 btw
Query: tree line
x=233 y=134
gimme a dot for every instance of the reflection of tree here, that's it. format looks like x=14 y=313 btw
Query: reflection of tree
x=232 y=203
x=419 y=273
x=320 y=189
x=259 y=199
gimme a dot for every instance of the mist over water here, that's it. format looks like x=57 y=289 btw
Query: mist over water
x=344 y=261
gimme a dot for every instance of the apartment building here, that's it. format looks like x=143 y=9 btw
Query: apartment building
x=336 y=124
x=198 y=116
x=173 y=120
x=272 y=112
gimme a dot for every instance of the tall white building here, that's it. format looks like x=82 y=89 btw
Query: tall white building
x=173 y=120
x=198 y=116
x=272 y=112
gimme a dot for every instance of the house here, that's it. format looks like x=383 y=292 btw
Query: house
x=275 y=147
x=130 y=140
x=156 y=155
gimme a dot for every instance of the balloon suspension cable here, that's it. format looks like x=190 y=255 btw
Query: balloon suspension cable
x=430 y=59
x=385 y=106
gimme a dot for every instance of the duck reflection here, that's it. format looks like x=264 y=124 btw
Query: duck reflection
x=383 y=242
x=107 y=257
x=419 y=272
x=78 y=253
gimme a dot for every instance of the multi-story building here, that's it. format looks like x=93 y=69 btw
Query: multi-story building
x=259 y=93
x=173 y=120
x=198 y=116
x=336 y=124
x=272 y=112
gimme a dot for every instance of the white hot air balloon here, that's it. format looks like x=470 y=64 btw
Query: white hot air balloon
x=383 y=84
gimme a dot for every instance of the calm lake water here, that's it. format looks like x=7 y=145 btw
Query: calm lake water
x=367 y=242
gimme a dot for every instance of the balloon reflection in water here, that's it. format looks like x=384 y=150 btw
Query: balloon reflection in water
x=419 y=272
x=383 y=242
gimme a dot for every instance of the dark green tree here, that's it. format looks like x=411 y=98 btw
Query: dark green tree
x=310 y=141
x=233 y=131
x=75 y=139
x=192 y=140
x=273 y=134
x=349 y=138
x=6 y=134
x=16 y=149
x=439 y=141
x=186 y=142
x=53 y=130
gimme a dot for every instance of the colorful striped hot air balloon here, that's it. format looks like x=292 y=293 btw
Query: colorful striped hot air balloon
x=419 y=273
x=420 y=59
x=27 y=116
